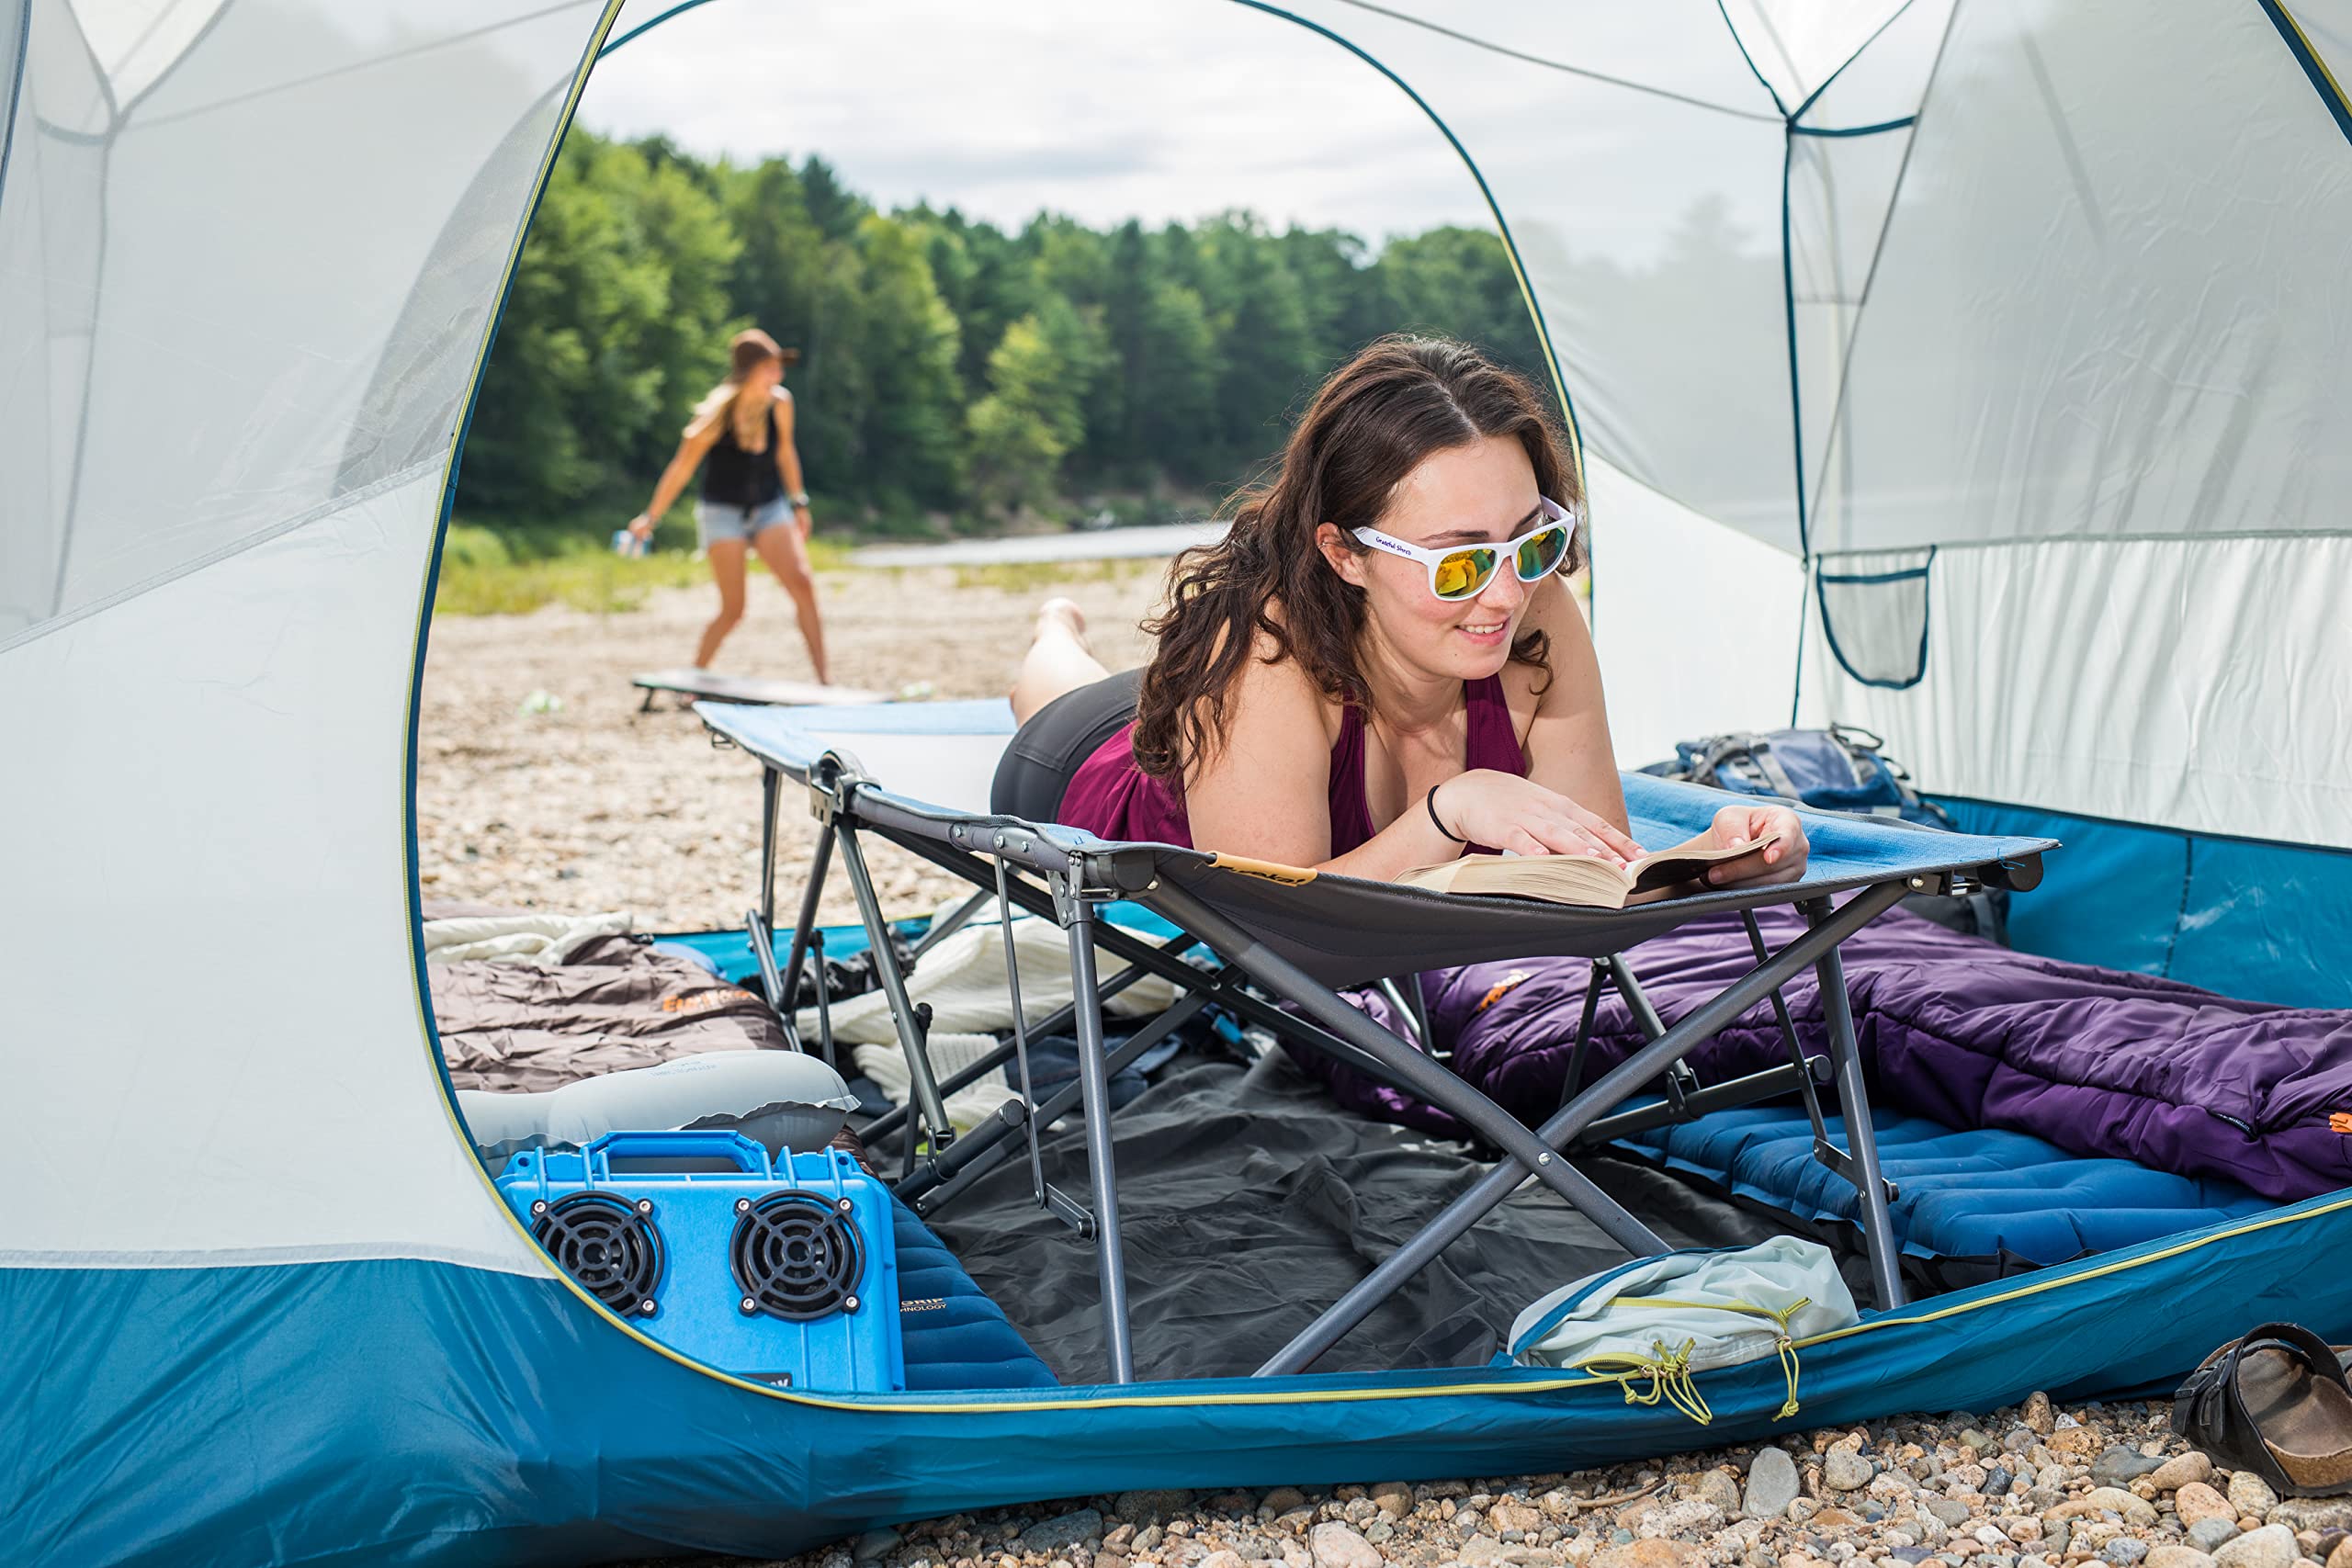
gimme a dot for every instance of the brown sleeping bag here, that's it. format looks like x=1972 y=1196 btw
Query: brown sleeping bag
x=612 y=1004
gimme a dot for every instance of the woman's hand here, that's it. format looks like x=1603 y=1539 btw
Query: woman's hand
x=1780 y=861
x=1486 y=807
x=641 y=525
x=801 y=515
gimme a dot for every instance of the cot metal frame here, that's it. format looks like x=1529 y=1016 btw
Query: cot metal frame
x=1046 y=873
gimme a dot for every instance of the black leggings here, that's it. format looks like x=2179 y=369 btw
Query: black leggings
x=1036 y=769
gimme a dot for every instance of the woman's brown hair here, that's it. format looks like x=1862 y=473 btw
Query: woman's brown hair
x=1373 y=422
x=746 y=352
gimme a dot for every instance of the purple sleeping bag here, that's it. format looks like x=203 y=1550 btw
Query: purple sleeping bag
x=1953 y=1028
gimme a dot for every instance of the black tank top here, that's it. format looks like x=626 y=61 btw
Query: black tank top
x=732 y=476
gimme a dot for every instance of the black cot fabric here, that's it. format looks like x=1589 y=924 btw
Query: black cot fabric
x=1039 y=762
x=1249 y=1203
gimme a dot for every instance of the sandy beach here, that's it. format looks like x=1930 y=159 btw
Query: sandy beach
x=540 y=783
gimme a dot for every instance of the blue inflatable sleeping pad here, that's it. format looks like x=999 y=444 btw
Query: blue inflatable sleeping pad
x=1960 y=1195
x=954 y=1337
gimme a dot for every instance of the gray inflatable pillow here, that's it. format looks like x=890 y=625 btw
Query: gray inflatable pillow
x=780 y=1099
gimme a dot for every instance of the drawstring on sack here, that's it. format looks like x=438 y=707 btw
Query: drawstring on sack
x=1670 y=1373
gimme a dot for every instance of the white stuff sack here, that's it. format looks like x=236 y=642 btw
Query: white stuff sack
x=1650 y=1323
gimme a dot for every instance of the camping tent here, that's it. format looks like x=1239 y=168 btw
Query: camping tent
x=2023 y=434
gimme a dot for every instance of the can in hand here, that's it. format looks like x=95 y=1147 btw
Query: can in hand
x=626 y=543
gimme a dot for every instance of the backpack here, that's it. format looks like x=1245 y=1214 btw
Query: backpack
x=1841 y=768
x=1838 y=769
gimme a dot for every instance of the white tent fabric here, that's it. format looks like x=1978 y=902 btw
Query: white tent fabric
x=245 y=286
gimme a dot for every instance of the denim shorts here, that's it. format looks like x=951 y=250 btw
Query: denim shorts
x=715 y=519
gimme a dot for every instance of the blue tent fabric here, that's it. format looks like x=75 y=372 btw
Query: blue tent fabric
x=1968 y=1194
x=2248 y=918
x=476 y=1416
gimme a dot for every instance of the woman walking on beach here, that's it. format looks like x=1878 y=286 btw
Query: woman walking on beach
x=752 y=490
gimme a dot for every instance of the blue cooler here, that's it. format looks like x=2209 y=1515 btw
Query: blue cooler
x=784 y=1272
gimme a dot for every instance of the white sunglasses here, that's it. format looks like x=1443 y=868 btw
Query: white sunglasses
x=1464 y=571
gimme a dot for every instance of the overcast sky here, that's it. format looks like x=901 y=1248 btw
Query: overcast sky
x=1160 y=110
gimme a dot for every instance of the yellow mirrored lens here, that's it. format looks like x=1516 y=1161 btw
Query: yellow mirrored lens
x=1463 y=572
x=1542 y=552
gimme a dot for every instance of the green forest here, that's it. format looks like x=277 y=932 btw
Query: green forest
x=954 y=376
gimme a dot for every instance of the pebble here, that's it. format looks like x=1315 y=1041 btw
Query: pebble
x=2342 y=1556
x=2321 y=1514
x=874 y=1543
x=1394 y=1498
x=2123 y=1550
x=1719 y=1487
x=1657 y=1552
x=1949 y=1511
x=2181 y=1469
x=1771 y=1485
x=2036 y=1413
x=2197 y=1501
x=2272 y=1546
x=2173 y=1556
x=1845 y=1470
x=1133 y=1507
x=2250 y=1494
x=2119 y=1466
x=1337 y=1546
x=1281 y=1500
x=2208 y=1534
x=1062 y=1532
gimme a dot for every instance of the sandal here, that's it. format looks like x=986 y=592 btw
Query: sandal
x=2275 y=1403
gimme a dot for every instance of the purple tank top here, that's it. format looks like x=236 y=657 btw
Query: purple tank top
x=1113 y=798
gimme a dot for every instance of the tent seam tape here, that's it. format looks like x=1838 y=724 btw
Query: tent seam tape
x=1502 y=224
x=1860 y=50
x=212 y=558
x=16 y=93
x=1741 y=44
x=412 y=887
x=2315 y=69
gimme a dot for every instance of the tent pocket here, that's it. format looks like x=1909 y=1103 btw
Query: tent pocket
x=1874 y=613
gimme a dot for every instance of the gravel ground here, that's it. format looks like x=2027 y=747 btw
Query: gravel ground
x=584 y=804
x=2036 y=1487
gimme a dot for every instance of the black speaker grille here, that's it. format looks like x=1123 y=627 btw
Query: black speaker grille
x=796 y=1256
x=613 y=1248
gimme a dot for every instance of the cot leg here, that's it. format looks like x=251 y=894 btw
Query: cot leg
x=1853 y=1101
x=1569 y=1121
x=803 y=931
x=771 y=784
x=1094 y=1097
x=926 y=1094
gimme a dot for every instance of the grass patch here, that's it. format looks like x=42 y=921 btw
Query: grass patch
x=490 y=572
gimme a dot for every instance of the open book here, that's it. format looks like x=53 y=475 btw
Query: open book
x=1580 y=879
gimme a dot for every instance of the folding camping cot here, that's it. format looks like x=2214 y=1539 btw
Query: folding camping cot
x=1284 y=940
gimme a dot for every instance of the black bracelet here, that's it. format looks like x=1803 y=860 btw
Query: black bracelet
x=1430 y=800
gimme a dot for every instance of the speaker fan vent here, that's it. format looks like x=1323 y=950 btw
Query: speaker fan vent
x=613 y=1248
x=796 y=1256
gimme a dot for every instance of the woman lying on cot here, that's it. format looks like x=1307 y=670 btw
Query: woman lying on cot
x=1379 y=666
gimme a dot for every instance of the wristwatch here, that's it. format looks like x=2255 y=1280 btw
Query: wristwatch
x=798 y=498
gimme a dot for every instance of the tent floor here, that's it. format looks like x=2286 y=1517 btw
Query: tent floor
x=1249 y=1203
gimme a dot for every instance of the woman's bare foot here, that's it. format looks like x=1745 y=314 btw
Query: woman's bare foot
x=1059 y=658
x=1065 y=615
